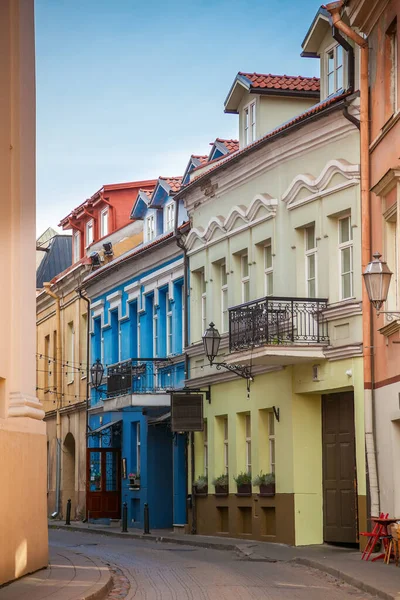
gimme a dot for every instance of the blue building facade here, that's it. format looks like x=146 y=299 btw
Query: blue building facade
x=137 y=317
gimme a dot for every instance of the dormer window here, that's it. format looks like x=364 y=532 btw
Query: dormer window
x=169 y=216
x=150 y=228
x=334 y=69
x=89 y=233
x=77 y=245
x=249 y=123
x=104 y=222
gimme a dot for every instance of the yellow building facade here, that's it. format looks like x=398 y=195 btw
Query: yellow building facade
x=22 y=430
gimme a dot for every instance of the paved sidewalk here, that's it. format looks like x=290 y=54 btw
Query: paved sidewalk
x=377 y=579
x=69 y=576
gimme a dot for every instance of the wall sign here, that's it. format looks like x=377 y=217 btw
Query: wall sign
x=187 y=412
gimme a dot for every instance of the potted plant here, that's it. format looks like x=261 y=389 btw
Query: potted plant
x=221 y=484
x=201 y=485
x=134 y=481
x=243 y=482
x=266 y=483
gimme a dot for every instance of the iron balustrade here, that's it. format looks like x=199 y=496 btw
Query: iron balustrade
x=143 y=376
x=278 y=321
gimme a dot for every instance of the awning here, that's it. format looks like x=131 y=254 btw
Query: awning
x=162 y=419
x=105 y=426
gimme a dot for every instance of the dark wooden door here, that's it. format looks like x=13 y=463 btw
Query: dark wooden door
x=103 y=483
x=339 y=468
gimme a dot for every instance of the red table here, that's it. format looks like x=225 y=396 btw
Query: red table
x=385 y=522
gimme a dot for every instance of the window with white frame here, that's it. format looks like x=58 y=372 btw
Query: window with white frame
x=150 y=228
x=245 y=278
x=311 y=261
x=248 y=443
x=77 y=245
x=391 y=68
x=155 y=331
x=137 y=448
x=268 y=270
x=334 y=69
x=89 y=233
x=391 y=253
x=346 y=258
x=224 y=298
x=138 y=335
x=104 y=222
x=249 y=123
x=169 y=327
x=205 y=448
x=203 y=297
x=226 y=446
x=70 y=351
x=169 y=216
x=271 y=440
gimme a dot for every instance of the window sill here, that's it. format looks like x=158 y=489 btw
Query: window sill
x=70 y=382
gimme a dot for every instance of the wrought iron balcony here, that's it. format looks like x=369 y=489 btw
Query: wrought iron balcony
x=277 y=321
x=143 y=376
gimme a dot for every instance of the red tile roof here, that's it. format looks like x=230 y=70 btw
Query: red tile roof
x=222 y=161
x=203 y=158
x=147 y=192
x=282 y=82
x=230 y=145
x=173 y=182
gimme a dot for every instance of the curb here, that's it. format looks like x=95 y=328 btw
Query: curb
x=106 y=579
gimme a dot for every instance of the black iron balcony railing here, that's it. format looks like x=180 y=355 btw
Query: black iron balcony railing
x=278 y=320
x=143 y=376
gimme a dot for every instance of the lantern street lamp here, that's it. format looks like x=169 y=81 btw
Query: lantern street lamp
x=96 y=374
x=211 y=343
x=377 y=276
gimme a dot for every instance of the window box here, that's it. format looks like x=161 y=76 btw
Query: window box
x=221 y=490
x=244 y=489
x=201 y=491
x=267 y=489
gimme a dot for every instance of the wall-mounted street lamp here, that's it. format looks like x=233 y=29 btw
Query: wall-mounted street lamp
x=211 y=342
x=377 y=276
x=96 y=374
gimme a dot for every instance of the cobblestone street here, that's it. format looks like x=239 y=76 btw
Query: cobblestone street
x=154 y=571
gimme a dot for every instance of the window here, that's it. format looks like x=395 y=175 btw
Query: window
x=89 y=233
x=169 y=327
x=224 y=298
x=155 y=332
x=47 y=363
x=70 y=351
x=226 y=446
x=137 y=447
x=391 y=253
x=271 y=438
x=104 y=222
x=150 y=228
x=346 y=258
x=77 y=245
x=248 y=443
x=83 y=343
x=334 y=69
x=268 y=270
x=205 y=448
x=169 y=219
x=311 y=261
x=203 y=302
x=391 y=70
x=250 y=124
x=244 y=272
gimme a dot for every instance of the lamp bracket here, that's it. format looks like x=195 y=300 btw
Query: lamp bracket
x=239 y=370
x=391 y=315
x=276 y=412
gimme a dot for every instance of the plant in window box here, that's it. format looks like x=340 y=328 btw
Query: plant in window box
x=201 y=485
x=266 y=483
x=134 y=481
x=243 y=482
x=221 y=484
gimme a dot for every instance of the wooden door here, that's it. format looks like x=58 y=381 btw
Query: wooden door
x=339 y=468
x=103 y=483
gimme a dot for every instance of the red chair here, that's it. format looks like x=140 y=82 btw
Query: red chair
x=374 y=537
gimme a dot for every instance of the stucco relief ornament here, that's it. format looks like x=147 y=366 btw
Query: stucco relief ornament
x=209 y=189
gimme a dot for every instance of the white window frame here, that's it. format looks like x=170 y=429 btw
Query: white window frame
x=104 y=229
x=311 y=253
x=226 y=445
x=169 y=216
x=138 y=335
x=250 y=123
x=203 y=300
x=245 y=279
x=205 y=447
x=343 y=246
x=77 y=245
x=268 y=271
x=247 y=425
x=271 y=440
x=169 y=327
x=150 y=229
x=336 y=68
x=138 y=448
x=393 y=38
x=71 y=352
x=224 y=298
x=392 y=257
x=89 y=228
x=155 y=332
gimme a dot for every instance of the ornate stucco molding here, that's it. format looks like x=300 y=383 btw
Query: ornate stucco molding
x=22 y=405
x=319 y=186
x=263 y=203
x=341 y=352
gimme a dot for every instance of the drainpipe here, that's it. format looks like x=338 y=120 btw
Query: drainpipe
x=87 y=376
x=58 y=371
x=334 y=8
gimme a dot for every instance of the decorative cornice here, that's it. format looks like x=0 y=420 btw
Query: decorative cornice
x=225 y=376
x=245 y=214
x=387 y=182
x=390 y=328
x=22 y=405
x=341 y=310
x=318 y=186
x=341 y=352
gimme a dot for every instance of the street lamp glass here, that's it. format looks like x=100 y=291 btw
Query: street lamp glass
x=211 y=342
x=96 y=373
x=377 y=276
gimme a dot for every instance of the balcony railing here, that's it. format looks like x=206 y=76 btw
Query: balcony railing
x=144 y=376
x=277 y=320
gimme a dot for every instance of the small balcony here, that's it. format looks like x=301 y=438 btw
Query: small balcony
x=278 y=330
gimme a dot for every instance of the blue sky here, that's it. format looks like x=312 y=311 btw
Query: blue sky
x=127 y=89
